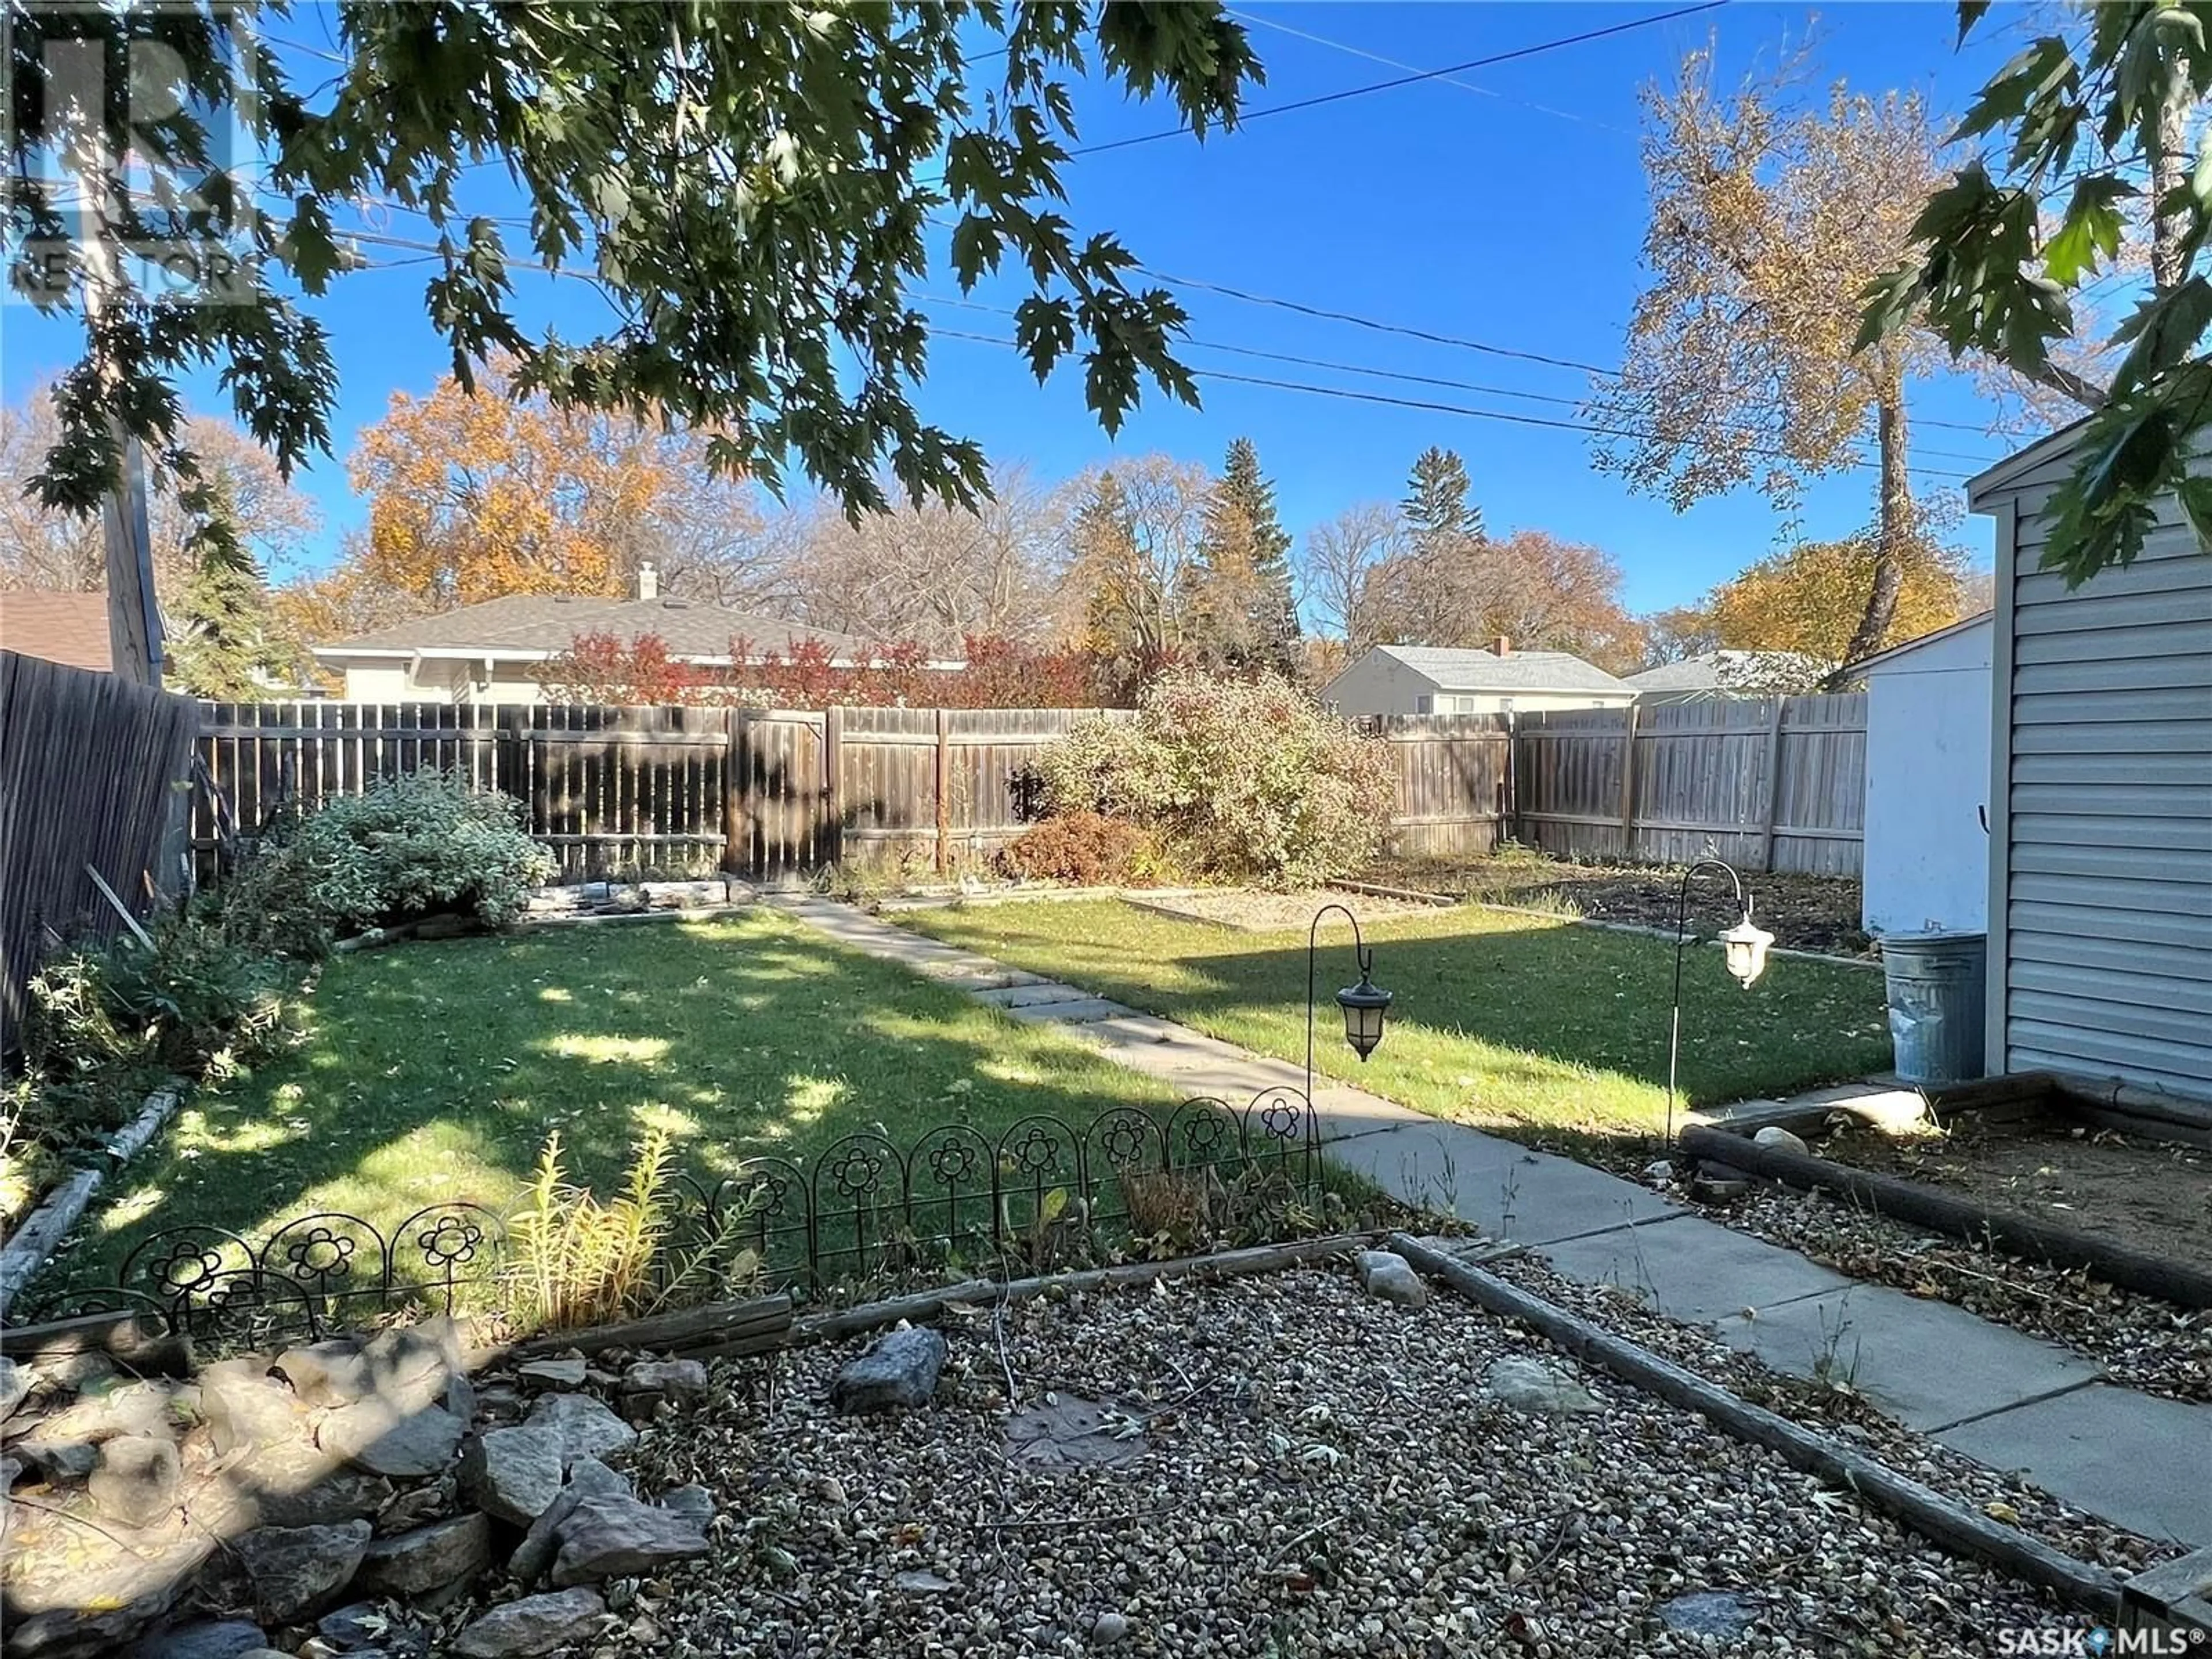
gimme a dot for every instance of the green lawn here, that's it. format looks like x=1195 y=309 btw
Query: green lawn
x=1527 y=1025
x=434 y=1072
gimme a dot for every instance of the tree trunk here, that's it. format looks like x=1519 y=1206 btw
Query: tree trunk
x=2169 y=162
x=1894 y=535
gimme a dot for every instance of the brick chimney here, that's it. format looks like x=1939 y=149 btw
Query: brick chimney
x=1501 y=646
x=648 y=580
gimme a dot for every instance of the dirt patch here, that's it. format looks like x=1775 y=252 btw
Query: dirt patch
x=2147 y=1195
x=1252 y=911
x=1804 y=913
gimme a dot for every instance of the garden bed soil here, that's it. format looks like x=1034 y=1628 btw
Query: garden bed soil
x=1254 y=910
x=2151 y=1196
x=1803 y=913
x=1285 y=1466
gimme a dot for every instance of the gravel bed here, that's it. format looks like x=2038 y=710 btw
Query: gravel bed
x=1836 y=1409
x=1309 y=1471
x=2141 y=1342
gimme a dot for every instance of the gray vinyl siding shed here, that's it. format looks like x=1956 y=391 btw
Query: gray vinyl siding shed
x=2100 y=798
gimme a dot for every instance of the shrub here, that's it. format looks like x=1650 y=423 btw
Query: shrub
x=1241 y=779
x=404 y=848
x=1086 y=849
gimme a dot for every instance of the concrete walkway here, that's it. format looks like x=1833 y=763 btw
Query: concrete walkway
x=2003 y=1398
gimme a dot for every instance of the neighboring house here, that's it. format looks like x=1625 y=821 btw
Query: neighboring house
x=64 y=627
x=1422 y=679
x=1926 y=857
x=2101 y=797
x=1726 y=673
x=488 y=653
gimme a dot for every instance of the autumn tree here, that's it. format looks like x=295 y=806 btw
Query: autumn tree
x=1131 y=544
x=1242 y=608
x=474 y=495
x=1771 y=210
x=1341 y=556
x=42 y=546
x=1808 y=599
x=932 y=573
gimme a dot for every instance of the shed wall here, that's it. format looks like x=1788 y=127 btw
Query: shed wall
x=1927 y=855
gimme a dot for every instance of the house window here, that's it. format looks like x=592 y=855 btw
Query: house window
x=1505 y=705
x=1425 y=704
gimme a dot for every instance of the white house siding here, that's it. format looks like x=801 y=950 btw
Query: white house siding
x=2101 y=959
x=1378 y=684
x=1926 y=858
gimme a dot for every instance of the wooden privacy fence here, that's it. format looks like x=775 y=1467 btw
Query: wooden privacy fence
x=772 y=794
x=1772 y=783
x=92 y=768
x=768 y=794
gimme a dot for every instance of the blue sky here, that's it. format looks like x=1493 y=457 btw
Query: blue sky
x=1507 y=210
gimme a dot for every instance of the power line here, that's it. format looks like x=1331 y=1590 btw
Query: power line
x=1443 y=80
x=1337 y=97
x=1399 y=375
x=1507 y=415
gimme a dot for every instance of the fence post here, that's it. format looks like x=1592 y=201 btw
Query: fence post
x=736 y=835
x=1628 y=785
x=1774 y=789
x=830 y=817
x=944 y=791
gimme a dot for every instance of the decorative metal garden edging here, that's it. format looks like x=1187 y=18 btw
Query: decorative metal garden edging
x=863 y=1203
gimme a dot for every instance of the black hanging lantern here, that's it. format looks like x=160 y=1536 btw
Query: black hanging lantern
x=1364 y=1005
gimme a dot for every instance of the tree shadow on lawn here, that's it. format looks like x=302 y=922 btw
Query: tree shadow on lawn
x=1501 y=1021
x=434 y=1072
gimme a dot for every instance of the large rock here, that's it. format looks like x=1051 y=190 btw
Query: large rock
x=14 y=1386
x=1389 y=1276
x=301 y=1484
x=514 y=1474
x=244 y=1406
x=900 y=1368
x=615 y=1537
x=694 y=1503
x=386 y=1438
x=1782 y=1141
x=428 y=1566
x=414 y=1364
x=553 y=1373
x=587 y=1478
x=300 y=1570
x=679 y=1380
x=1530 y=1385
x=332 y=1372
x=136 y=1479
x=58 y=1462
x=74 y=1590
x=158 y=1409
x=586 y=1427
x=535 y=1625
x=209 y=1638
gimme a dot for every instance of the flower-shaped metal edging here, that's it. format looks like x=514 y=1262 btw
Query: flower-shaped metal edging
x=953 y=1163
x=1200 y=1131
x=450 y=1241
x=856 y=1171
x=188 y=1270
x=320 y=1255
x=1037 y=1151
x=1127 y=1138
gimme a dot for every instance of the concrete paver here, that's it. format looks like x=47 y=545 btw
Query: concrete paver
x=2141 y=1461
x=1693 y=1269
x=1929 y=1364
x=1497 y=1185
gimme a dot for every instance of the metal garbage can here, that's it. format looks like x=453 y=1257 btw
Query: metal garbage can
x=1936 y=987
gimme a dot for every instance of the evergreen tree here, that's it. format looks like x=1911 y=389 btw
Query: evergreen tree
x=1244 y=612
x=1437 y=512
x=228 y=641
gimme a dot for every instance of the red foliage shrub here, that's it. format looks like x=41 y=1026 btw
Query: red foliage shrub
x=1084 y=849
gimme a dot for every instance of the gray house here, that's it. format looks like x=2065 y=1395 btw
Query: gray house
x=1423 y=679
x=2100 y=798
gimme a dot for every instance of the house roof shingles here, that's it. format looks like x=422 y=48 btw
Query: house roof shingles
x=1461 y=670
x=70 y=629
x=534 y=623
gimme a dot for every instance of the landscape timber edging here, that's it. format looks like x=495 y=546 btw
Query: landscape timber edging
x=34 y=1242
x=1925 y=1511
